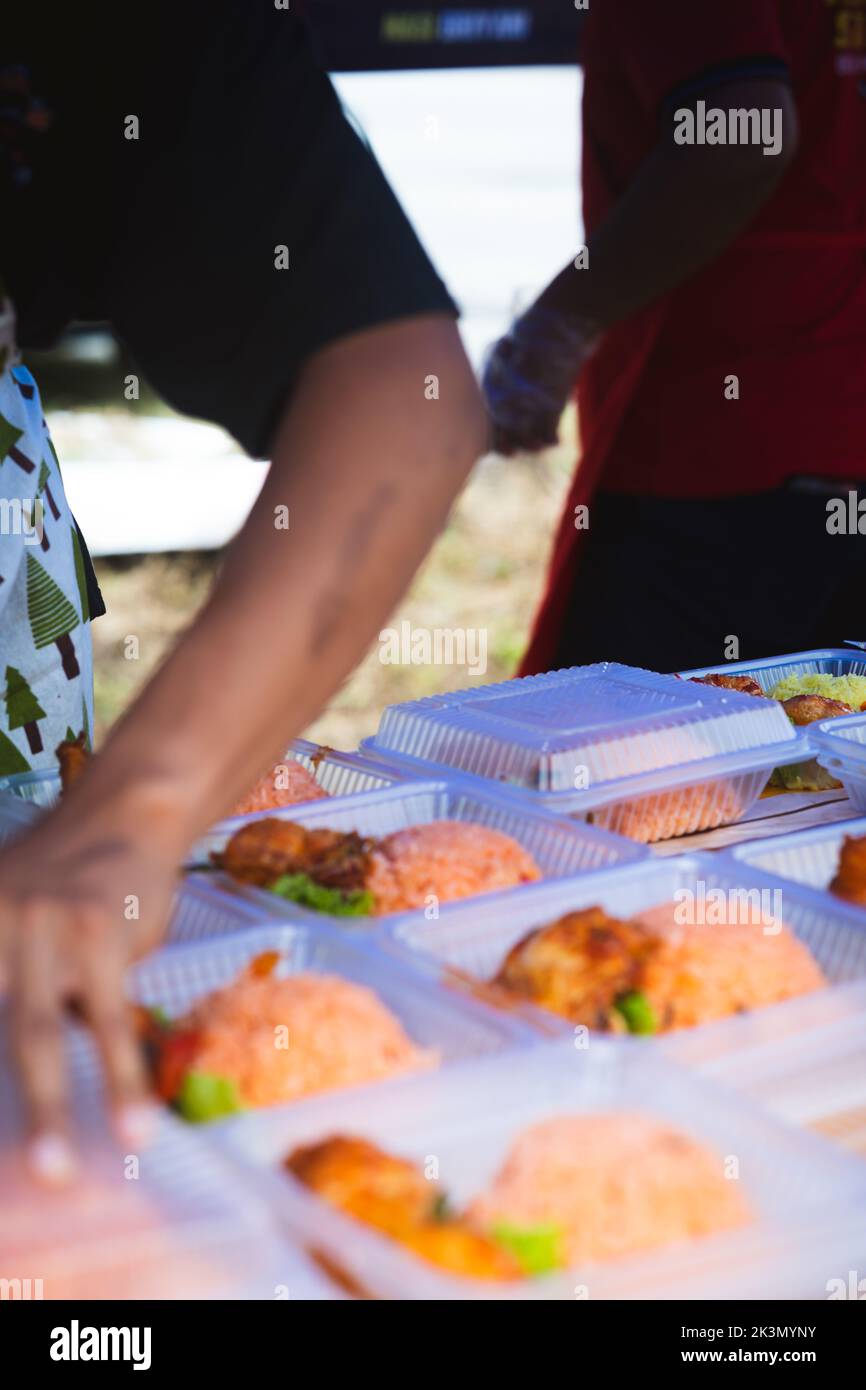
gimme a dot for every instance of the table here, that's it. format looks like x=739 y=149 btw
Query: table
x=775 y=813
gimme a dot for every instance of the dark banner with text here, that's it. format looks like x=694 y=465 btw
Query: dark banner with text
x=229 y=1340
x=365 y=36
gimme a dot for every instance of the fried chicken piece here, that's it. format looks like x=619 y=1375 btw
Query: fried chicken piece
x=264 y=850
x=392 y=1195
x=744 y=683
x=73 y=756
x=359 y=1178
x=579 y=965
x=806 y=709
x=457 y=1246
x=850 y=879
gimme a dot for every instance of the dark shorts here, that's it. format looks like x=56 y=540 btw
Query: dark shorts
x=665 y=584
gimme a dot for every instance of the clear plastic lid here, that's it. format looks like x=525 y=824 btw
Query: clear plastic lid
x=579 y=727
x=841 y=743
x=804 y=1195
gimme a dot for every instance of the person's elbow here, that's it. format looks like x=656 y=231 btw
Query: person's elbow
x=744 y=133
x=460 y=424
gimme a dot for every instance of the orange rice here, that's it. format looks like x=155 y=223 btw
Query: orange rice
x=704 y=973
x=445 y=860
x=612 y=1184
x=285 y=784
x=280 y=1039
x=681 y=811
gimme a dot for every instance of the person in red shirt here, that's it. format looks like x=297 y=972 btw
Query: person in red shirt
x=715 y=323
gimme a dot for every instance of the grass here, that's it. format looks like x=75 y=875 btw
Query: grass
x=486 y=571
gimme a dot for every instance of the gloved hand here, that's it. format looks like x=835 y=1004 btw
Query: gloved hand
x=529 y=377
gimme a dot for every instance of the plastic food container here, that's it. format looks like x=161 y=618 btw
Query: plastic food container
x=644 y=755
x=807 y=1196
x=825 y=661
x=840 y=747
x=818 y=1079
x=472 y=944
x=560 y=847
x=829 y=661
x=173 y=1221
x=809 y=857
x=339 y=774
x=40 y=789
x=15 y=816
x=432 y=1017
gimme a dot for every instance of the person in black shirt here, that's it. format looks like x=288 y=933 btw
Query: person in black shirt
x=193 y=181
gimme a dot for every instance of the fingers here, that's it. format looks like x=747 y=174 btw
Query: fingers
x=39 y=977
x=527 y=437
x=37 y=1041
x=101 y=970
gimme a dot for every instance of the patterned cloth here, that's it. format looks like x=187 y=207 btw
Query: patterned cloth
x=46 y=659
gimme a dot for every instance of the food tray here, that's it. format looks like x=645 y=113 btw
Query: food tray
x=817 y=1080
x=179 y=1225
x=338 y=773
x=653 y=806
x=15 y=816
x=560 y=846
x=840 y=747
x=809 y=857
x=830 y=661
x=827 y=661
x=644 y=755
x=808 y=1197
x=475 y=940
x=458 y=1028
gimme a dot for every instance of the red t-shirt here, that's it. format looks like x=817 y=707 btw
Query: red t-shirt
x=784 y=307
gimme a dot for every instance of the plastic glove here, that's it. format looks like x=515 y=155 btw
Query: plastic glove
x=529 y=377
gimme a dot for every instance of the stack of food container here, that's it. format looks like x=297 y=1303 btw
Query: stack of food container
x=457 y=1032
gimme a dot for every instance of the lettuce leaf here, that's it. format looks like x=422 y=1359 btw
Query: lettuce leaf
x=636 y=1010
x=536 y=1248
x=204 y=1097
x=300 y=888
x=809 y=776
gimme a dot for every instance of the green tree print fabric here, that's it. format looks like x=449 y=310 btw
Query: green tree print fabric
x=45 y=652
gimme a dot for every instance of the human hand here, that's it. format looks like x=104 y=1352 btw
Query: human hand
x=79 y=899
x=529 y=376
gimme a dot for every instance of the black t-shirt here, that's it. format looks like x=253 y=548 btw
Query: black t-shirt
x=176 y=236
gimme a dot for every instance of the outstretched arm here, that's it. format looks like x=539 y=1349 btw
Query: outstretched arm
x=368 y=467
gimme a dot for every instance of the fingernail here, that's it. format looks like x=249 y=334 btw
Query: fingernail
x=51 y=1159
x=138 y=1123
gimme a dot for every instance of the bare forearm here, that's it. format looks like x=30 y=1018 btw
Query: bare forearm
x=686 y=204
x=367 y=468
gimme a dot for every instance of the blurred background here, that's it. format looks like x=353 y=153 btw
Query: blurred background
x=485 y=161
